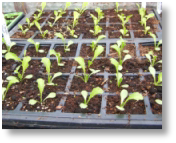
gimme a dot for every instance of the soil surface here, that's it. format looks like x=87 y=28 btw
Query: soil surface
x=20 y=35
x=86 y=51
x=60 y=49
x=131 y=107
x=15 y=49
x=72 y=105
x=78 y=84
x=49 y=35
x=31 y=51
x=141 y=34
x=118 y=34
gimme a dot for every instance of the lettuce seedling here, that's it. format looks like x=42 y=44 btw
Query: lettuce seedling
x=100 y=13
x=72 y=31
x=97 y=29
x=157 y=48
x=84 y=93
x=117 y=8
x=81 y=10
x=142 y=12
x=144 y=22
x=153 y=59
x=75 y=20
x=12 y=80
x=57 y=17
x=119 y=47
x=37 y=17
x=66 y=47
x=30 y=24
x=124 y=20
x=97 y=52
x=119 y=77
x=81 y=62
x=43 y=5
x=158 y=101
x=36 y=44
x=64 y=10
x=41 y=32
x=41 y=86
x=94 y=42
x=23 y=31
x=47 y=64
x=153 y=72
x=123 y=95
x=95 y=19
x=8 y=47
x=58 y=57
x=24 y=64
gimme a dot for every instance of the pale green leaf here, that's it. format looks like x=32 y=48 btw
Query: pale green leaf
x=152 y=71
x=125 y=86
x=123 y=95
x=127 y=57
x=56 y=75
x=148 y=57
x=158 y=101
x=51 y=95
x=120 y=108
x=135 y=96
x=4 y=51
x=41 y=51
x=59 y=35
x=95 y=91
x=29 y=76
x=83 y=106
x=12 y=56
x=84 y=93
x=32 y=102
x=47 y=63
x=81 y=62
x=41 y=85
x=25 y=63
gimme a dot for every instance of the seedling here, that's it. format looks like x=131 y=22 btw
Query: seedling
x=158 y=101
x=97 y=29
x=100 y=13
x=41 y=86
x=117 y=8
x=97 y=52
x=81 y=10
x=72 y=31
x=81 y=62
x=84 y=93
x=95 y=19
x=43 y=34
x=36 y=44
x=66 y=47
x=12 y=80
x=124 y=20
x=23 y=31
x=153 y=59
x=142 y=12
x=37 y=16
x=94 y=42
x=47 y=64
x=157 y=48
x=153 y=72
x=144 y=22
x=123 y=95
x=43 y=5
x=29 y=23
x=119 y=77
x=119 y=47
x=58 y=57
x=57 y=17
x=24 y=64
x=8 y=47
x=75 y=20
x=64 y=10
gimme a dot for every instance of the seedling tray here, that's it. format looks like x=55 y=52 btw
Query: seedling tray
x=61 y=119
x=20 y=15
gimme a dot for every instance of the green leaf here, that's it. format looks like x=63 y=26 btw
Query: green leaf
x=67 y=5
x=37 y=25
x=83 y=106
x=159 y=43
x=125 y=51
x=84 y=93
x=120 y=108
x=12 y=44
x=76 y=15
x=12 y=56
x=69 y=43
x=56 y=75
x=81 y=62
x=47 y=64
x=89 y=63
x=32 y=102
x=84 y=4
x=158 y=101
x=98 y=51
x=148 y=57
x=41 y=51
x=135 y=96
x=152 y=71
x=59 y=35
x=31 y=41
x=127 y=57
x=29 y=76
x=100 y=38
x=123 y=95
x=125 y=86
x=93 y=71
x=25 y=63
x=150 y=15
x=4 y=51
x=160 y=77
x=41 y=85
x=115 y=63
x=51 y=95
x=94 y=92
x=43 y=5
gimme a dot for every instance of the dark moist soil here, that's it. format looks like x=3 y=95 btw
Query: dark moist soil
x=90 y=20
x=139 y=27
x=60 y=49
x=72 y=105
x=80 y=20
x=85 y=14
x=31 y=51
x=86 y=51
x=131 y=107
x=15 y=49
x=141 y=34
x=89 y=35
x=115 y=19
x=49 y=35
x=78 y=84
x=130 y=47
x=145 y=49
x=39 y=21
x=64 y=69
x=117 y=35
x=153 y=92
x=64 y=15
x=97 y=65
x=61 y=20
x=115 y=27
x=34 y=67
x=46 y=13
x=21 y=36
x=33 y=28
x=133 y=82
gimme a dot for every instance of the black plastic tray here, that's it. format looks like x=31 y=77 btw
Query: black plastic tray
x=58 y=119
